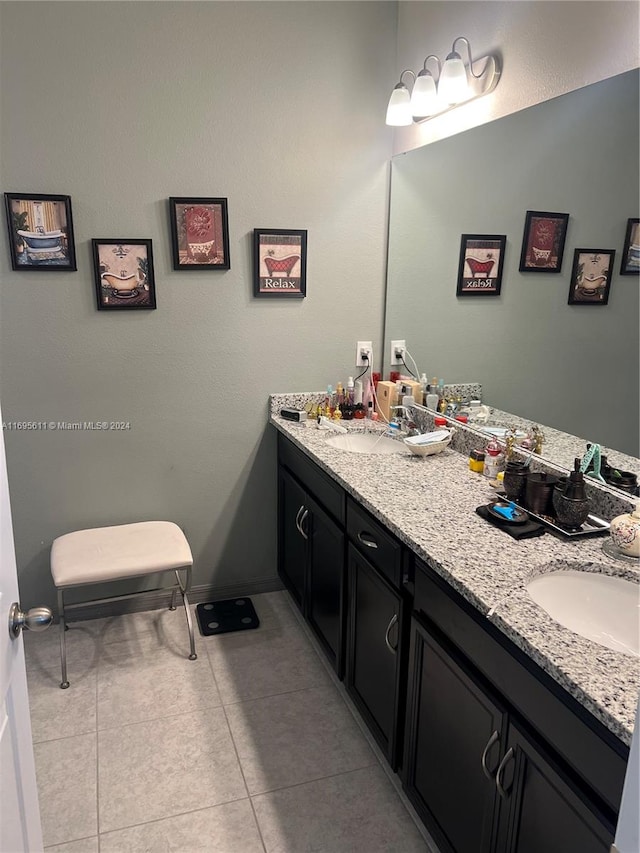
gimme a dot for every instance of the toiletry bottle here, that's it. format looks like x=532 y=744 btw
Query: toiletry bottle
x=350 y=390
x=431 y=401
x=339 y=394
x=357 y=393
x=424 y=385
x=493 y=460
x=442 y=400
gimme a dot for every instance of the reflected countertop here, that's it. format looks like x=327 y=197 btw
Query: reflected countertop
x=429 y=504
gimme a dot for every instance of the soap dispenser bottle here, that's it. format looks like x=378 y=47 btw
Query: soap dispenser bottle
x=572 y=506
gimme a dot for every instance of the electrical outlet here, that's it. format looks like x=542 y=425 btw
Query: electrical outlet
x=363 y=347
x=398 y=346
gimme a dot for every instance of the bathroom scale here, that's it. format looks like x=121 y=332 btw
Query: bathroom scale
x=232 y=614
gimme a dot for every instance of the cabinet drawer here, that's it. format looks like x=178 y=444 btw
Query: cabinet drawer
x=371 y=538
x=325 y=490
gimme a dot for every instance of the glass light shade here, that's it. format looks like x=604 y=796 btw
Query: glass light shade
x=399 y=108
x=424 y=98
x=453 y=86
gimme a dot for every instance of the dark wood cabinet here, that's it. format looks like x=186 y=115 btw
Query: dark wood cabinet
x=311 y=551
x=374 y=650
x=494 y=754
x=539 y=809
x=454 y=736
x=292 y=537
x=479 y=774
x=325 y=581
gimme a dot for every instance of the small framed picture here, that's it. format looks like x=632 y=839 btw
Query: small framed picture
x=123 y=272
x=481 y=262
x=543 y=241
x=631 y=253
x=199 y=233
x=40 y=231
x=279 y=262
x=591 y=276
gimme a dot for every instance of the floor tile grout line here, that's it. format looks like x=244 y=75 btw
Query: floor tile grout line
x=244 y=778
x=75 y=841
x=273 y=695
x=341 y=689
x=374 y=763
x=172 y=816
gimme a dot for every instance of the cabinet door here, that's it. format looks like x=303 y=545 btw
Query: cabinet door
x=541 y=811
x=292 y=544
x=453 y=741
x=375 y=629
x=325 y=582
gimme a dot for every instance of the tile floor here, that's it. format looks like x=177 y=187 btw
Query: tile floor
x=251 y=748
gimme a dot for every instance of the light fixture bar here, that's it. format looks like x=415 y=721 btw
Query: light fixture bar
x=458 y=82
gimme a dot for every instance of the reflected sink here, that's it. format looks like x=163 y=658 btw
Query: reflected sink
x=600 y=607
x=366 y=442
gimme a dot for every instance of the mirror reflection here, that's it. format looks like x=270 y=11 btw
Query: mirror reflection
x=573 y=368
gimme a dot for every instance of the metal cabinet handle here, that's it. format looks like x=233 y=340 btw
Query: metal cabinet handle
x=298 y=514
x=493 y=739
x=370 y=543
x=300 y=528
x=500 y=771
x=392 y=649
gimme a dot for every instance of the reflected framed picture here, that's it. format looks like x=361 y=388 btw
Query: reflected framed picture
x=631 y=252
x=591 y=276
x=40 y=231
x=481 y=262
x=279 y=263
x=199 y=233
x=123 y=273
x=543 y=241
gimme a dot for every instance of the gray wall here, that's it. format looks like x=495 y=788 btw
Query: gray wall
x=276 y=106
x=573 y=367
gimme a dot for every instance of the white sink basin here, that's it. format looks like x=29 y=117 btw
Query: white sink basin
x=366 y=442
x=600 y=607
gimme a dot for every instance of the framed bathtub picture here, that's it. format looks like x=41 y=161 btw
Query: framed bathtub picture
x=123 y=274
x=631 y=252
x=279 y=263
x=543 y=241
x=591 y=276
x=481 y=262
x=40 y=231
x=199 y=233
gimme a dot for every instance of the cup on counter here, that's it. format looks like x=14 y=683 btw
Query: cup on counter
x=538 y=494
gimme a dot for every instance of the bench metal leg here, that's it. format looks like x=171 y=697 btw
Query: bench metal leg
x=184 y=589
x=63 y=645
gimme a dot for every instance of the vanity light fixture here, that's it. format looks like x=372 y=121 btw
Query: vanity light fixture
x=456 y=84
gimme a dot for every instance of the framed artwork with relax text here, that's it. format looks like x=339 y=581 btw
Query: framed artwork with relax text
x=481 y=262
x=199 y=233
x=591 y=276
x=123 y=272
x=631 y=252
x=279 y=262
x=40 y=231
x=543 y=241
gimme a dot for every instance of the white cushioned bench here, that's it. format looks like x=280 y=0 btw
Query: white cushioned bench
x=103 y=554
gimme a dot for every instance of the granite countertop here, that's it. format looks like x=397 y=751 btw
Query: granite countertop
x=429 y=504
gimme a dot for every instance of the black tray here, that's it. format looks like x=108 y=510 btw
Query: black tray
x=593 y=526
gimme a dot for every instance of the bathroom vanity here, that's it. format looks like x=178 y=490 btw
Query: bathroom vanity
x=509 y=732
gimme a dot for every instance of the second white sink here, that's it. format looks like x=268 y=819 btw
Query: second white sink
x=366 y=442
x=599 y=607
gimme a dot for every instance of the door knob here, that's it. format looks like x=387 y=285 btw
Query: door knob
x=36 y=619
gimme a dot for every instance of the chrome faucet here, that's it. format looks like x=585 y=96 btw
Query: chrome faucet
x=405 y=423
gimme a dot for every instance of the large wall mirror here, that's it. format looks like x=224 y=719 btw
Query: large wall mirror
x=571 y=367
